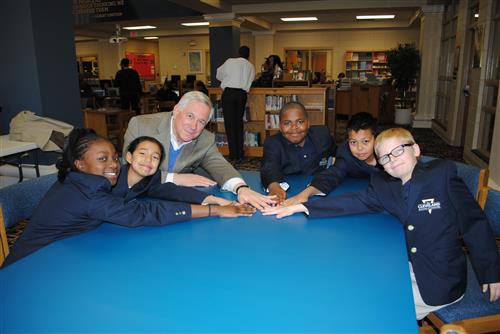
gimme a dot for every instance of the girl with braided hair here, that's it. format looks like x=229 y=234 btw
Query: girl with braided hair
x=81 y=200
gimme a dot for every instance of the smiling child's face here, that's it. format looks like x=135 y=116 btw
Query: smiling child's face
x=144 y=161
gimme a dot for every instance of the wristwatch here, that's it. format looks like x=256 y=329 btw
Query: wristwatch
x=239 y=187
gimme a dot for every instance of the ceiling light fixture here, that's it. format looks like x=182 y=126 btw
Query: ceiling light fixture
x=139 y=27
x=195 y=24
x=151 y=37
x=298 y=19
x=375 y=17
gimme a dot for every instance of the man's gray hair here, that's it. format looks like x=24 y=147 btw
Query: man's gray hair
x=195 y=96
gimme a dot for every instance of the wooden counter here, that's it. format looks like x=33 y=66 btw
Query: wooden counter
x=375 y=100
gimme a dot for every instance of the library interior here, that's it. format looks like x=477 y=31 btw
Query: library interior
x=429 y=66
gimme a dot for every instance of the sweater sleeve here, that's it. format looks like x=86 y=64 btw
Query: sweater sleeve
x=475 y=230
x=365 y=201
x=108 y=208
x=172 y=192
x=271 y=170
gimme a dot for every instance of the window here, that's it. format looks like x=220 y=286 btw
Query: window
x=317 y=60
x=446 y=65
x=88 y=66
x=490 y=101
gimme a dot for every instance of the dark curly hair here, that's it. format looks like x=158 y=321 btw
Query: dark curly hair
x=77 y=143
x=362 y=121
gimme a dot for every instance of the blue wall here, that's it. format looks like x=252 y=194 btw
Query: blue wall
x=224 y=44
x=38 y=61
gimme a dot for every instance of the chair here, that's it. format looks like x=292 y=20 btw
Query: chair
x=17 y=203
x=492 y=211
x=474 y=312
x=117 y=127
x=475 y=178
x=165 y=106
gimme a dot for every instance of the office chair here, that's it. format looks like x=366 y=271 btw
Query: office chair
x=17 y=203
x=475 y=178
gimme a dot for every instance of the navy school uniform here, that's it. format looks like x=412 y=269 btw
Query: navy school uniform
x=81 y=203
x=437 y=211
x=281 y=157
x=345 y=165
x=152 y=187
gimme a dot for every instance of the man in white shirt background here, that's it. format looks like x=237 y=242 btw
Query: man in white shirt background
x=236 y=76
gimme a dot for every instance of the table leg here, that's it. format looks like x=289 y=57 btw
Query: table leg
x=20 y=167
x=35 y=157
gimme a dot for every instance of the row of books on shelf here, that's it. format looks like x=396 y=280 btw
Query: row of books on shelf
x=218 y=113
x=272 y=121
x=250 y=139
x=276 y=102
x=363 y=65
x=375 y=56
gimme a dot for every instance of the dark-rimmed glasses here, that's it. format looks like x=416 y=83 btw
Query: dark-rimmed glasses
x=396 y=152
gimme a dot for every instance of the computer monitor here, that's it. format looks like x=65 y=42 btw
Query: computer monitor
x=106 y=83
x=175 y=78
x=191 y=78
x=113 y=91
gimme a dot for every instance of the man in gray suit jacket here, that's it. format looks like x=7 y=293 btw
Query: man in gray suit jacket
x=188 y=147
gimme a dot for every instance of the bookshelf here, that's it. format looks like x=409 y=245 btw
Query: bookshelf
x=358 y=64
x=262 y=114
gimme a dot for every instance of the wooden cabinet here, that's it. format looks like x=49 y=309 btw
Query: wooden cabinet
x=262 y=113
x=110 y=123
x=375 y=100
x=358 y=64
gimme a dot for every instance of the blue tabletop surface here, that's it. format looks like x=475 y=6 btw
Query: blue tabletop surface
x=252 y=274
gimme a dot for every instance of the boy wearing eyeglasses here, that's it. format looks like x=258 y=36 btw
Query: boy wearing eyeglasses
x=297 y=149
x=355 y=158
x=437 y=212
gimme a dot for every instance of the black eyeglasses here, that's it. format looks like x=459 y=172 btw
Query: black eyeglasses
x=396 y=152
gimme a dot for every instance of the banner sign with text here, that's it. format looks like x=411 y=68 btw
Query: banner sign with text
x=143 y=63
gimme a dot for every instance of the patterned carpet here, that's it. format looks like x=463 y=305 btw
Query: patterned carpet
x=429 y=142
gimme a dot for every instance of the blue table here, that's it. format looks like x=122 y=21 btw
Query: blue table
x=256 y=274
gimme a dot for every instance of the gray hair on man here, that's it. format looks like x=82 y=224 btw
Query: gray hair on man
x=195 y=96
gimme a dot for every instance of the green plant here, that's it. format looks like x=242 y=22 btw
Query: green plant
x=404 y=63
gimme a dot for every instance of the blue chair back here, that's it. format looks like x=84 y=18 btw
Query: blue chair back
x=473 y=311
x=492 y=210
x=18 y=201
x=475 y=178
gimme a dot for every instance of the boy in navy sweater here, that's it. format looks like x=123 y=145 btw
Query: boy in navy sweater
x=354 y=158
x=437 y=212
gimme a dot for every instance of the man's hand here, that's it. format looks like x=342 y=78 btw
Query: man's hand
x=258 y=201
x=284 y=211
x=211 y=199
x=302 y=197
x=494 y=290
x=192 y=180
x=276 y=190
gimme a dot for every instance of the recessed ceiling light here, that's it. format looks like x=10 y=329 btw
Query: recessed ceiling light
x=195 y=24
x=375 y=17
x=151 y=37
x=139 y=27
x=297 y=19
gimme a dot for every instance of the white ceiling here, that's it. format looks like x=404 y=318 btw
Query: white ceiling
x=264 y=15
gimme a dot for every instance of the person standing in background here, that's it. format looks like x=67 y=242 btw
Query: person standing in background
x=236 y=76
x=127 y=80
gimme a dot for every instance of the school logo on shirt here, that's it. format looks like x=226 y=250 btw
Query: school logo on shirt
x=429 y=205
